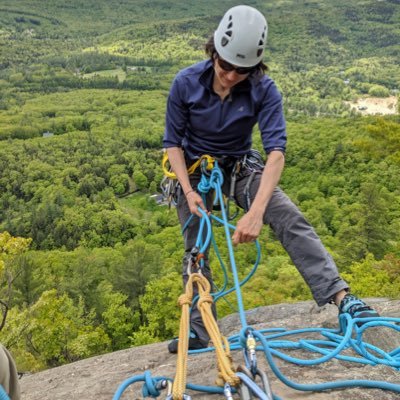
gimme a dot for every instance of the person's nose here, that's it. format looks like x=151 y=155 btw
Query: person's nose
x=231 y=76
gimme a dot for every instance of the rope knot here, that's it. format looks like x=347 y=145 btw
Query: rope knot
x=184 y=299
x=217 y=178
x=205 y=298
x=149 y=388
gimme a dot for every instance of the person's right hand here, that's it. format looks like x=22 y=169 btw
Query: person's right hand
x=194 y=201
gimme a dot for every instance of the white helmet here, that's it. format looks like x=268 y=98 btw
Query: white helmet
x=241 y=36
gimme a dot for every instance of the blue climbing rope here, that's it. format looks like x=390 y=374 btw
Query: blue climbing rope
x=273 y=342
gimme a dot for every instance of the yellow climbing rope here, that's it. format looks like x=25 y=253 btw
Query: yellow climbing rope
x=222 y=350
x=206 y=158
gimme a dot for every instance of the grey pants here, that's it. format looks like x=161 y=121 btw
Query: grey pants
x=297 y=236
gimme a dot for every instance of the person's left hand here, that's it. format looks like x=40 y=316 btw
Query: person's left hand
x=248 y=228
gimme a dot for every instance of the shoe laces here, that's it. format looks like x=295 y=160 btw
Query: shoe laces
x=352 y=304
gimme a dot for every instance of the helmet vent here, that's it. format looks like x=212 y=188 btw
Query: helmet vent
x=224 y=41
x=228 y=33
x=230 y=25
x=261 y=42
x=259 y=52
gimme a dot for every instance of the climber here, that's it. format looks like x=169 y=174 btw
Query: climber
x=212 y=108
x=9 y=384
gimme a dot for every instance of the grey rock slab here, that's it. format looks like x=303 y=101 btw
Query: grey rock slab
x=97 y=378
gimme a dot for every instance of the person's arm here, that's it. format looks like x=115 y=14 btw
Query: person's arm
x=175 y=124
x=178 y=165
x=273 y=134
x=249 y=226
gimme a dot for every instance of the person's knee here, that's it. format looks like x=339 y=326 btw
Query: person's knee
x=284 y=215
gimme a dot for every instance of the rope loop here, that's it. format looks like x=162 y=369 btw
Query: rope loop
x=204 y=185
x=212 y=181
x=244 y=334
x=216 y=178
x=149 y=388
x=202 y=281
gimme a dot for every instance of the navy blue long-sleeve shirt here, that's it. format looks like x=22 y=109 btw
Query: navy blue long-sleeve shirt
x=200 y=123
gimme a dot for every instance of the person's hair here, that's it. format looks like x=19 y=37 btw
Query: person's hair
x=212 y=53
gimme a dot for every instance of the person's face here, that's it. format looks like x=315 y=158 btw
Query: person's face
x=229 y=75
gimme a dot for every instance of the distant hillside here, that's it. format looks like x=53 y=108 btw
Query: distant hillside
x=83 y=91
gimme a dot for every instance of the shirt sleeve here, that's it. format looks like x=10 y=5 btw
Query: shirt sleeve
x=271 y=121
x=176 y=115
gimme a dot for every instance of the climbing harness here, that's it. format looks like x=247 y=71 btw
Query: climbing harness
x=170 y=187
x=167 y=168
x=251 y=163
x=247 y=380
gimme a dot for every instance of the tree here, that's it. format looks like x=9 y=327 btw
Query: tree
x=370 y=277
x=367 y=225
x=160 y=308
x=140 y=180
x=55 y=331
x=118 y=318
x=378 y=91
x=10 y=249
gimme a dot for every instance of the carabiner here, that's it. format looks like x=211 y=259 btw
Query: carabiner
x=265 y=382
x=228 y=391
x=244 y=392
x=169 y=391
x=204 y=167
x=251 y=348
x=266 y=387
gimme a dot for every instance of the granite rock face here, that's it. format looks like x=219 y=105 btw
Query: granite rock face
x=98 y=378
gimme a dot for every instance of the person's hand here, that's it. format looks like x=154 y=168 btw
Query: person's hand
x=248 y=229
x=194 y=201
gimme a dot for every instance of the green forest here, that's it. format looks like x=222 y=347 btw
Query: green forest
x=89 y=261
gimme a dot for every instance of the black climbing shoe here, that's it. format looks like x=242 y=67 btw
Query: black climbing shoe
x=194 y=344
x=356 y=308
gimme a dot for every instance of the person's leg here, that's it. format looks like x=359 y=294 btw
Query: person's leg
x=299 y=239
x=190 y=236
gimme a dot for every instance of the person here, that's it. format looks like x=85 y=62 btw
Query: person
x=212 y=108
x=9 y=384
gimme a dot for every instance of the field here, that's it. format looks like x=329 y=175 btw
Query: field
x=376 y=105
